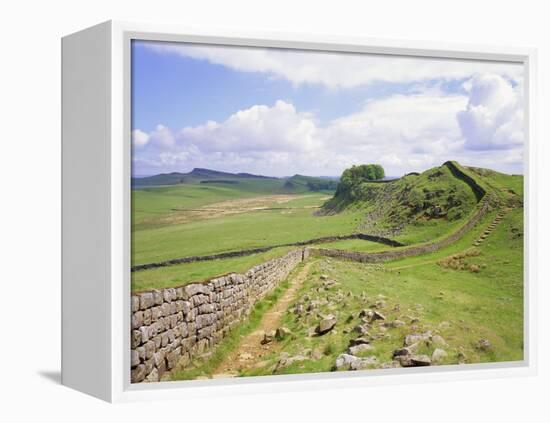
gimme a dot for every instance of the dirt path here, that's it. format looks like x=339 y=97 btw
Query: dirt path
x=250 y=350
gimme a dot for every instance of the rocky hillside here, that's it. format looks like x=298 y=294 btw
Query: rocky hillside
x=434 y=194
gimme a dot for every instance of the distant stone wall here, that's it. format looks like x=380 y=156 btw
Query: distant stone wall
x=410 y=251
x=173 y=325
x=250 y=251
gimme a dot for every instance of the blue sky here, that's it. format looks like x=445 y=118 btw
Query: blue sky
x=282 y=112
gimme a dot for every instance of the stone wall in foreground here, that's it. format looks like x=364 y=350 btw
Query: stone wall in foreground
x=173 y=325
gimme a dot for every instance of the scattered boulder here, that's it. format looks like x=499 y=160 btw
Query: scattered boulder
x=414 y=360
x=483 y=345
x=377 y=316
x=286 y=360
x=299 y=309
x=323 y=277
x=361 y=329
x=364 y=363
x=438 y=355
x=417 y=337
x=365 y=313
x=326 y=324
x=268 y=337
x=359 y=341
x=350 y=362
x=394 y=324
x=358 y=349
x=282 y=332
x=343 y=361
x=390 y=365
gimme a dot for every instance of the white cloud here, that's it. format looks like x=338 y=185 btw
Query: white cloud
x=259 y=128
x=139 y=138
x=335 y=70
x=493 y=118
x=162 y=137
x=402 y=132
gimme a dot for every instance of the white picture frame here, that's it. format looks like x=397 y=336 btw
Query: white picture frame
x=96 y=159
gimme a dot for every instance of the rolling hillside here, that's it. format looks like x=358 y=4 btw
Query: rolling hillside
x=246 y=181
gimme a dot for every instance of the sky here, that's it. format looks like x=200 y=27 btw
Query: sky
x=280 y=112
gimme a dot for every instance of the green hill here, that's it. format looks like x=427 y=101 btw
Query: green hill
x=249 y=182
x=436 y=194
x=196 y=176
x=301 y=183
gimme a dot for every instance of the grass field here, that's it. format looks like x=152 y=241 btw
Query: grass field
x=460 y=306
x=460 y=294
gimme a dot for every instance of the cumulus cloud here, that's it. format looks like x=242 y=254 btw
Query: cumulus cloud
x=334 y=70
x=139 y=138
x=259 y=128
x=493 y=119
x=402 y=132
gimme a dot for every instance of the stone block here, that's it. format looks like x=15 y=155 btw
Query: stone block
x=172 y=358
x=144 y=333
x=134 y=358
x=135 y=303
x=157 y=297
x=169 y=295
x=147 y=317
x=138 y=374
x=149 y=349
x=136 y=338
x=146 y=300
x=137 y=319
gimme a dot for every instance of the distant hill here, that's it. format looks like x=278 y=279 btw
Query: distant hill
x=299 y=183
x=196 y=176
x=293 y=184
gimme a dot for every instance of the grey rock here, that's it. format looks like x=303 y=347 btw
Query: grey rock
x=414 y=360
x=362 y=329
x=364 y=363
x=344 y=361
x=483 y=345
x=359 y=341
x=417 y=337
x=377 y=316
x=268 y=337
x=358 y=349
x=326 y=324
x=438 y=355
x=282 y=332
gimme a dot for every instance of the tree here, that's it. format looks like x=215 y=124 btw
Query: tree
x=355 y=175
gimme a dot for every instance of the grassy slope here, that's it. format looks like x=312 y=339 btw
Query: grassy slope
x=150 y=203
x=488 y=304
x=241 y=231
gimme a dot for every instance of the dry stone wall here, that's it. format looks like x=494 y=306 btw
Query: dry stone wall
x=410 y=251
x=173 y=325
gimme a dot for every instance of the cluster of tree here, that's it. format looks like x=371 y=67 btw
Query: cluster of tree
x=354 y=176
